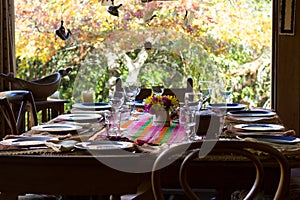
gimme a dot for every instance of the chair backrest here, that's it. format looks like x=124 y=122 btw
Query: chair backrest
x=8 y=114
x=178 y=92
x=187 y=153
x=14 y=106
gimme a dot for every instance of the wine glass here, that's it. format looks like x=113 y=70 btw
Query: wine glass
x=226 y=90
x=157 y=88
x=205 y=87
x=116 y=101
x=193 y=104
x=132 y=89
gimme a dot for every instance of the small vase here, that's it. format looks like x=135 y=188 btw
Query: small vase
x=161 y=118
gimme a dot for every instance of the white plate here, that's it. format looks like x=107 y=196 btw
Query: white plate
x=92 y=106
x=259 y=127
x=104 y=145
x=80 y=117
x=79 y=111
x=139 y=103
x=57 y=127
x=27 y=141
x=272 y=138
x=228 y=106
x=251 y=113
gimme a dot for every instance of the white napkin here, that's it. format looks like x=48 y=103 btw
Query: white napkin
x=61 y=146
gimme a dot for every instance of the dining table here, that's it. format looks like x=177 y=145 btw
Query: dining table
x=74 y=162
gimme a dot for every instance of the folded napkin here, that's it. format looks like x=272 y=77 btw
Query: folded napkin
x=234 y=132
x=37 y=133
x=289 y=150
x=125 y=139
x=61 y=146
x=156 y=149
x=8 y=147
x=243 y=120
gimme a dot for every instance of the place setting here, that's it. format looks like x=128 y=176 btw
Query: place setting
x=252 y=116
x=89 y=105
x=64 y=124
x=79 y=118
x=277 y=139
x=92 y=106
x=57 y=128
x=260 y=131
x=226 y=106
x=104 y=145
x=26 y=141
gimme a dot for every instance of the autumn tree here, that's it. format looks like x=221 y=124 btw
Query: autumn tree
x=198 y=39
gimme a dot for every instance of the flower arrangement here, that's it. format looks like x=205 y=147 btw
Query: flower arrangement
x=166 y=102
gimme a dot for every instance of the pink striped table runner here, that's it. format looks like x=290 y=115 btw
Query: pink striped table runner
x=145 y=131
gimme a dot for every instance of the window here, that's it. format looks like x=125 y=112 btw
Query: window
x=199 y=39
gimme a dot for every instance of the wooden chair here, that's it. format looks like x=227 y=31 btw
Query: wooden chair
x=8 y=114
x=14 y=106
x=189 y=152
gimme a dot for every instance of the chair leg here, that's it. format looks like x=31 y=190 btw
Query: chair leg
x=33 y=109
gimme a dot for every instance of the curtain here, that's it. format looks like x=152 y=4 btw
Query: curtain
x=7 y=40
x=7 y=46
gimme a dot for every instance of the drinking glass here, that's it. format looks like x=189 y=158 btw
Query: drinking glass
x=205 y=87
x=226 y=90
x=116 y=101
x=157 y=88
x=193 y=104
x=186 y=119
x=108 y=123
x=132 y=89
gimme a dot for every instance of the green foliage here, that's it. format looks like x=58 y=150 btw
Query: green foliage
x=229 y=41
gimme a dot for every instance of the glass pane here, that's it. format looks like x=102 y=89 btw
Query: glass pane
x=165 y=41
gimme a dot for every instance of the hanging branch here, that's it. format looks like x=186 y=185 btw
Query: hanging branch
x=39 y=30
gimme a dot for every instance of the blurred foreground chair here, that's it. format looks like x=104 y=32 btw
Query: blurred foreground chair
x=14 y=107
x=189 y=152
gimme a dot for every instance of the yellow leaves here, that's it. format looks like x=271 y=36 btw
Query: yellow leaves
x=91 y=23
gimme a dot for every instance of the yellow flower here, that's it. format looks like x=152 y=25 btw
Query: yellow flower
x=165 y=101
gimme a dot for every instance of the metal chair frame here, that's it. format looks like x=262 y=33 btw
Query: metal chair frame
x=189 y=152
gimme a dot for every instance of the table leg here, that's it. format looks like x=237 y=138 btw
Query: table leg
x=8 y=196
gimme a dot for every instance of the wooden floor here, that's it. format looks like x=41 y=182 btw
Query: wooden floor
x=176 y=194
x=295 y=184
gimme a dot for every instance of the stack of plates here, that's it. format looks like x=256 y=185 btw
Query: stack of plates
x=80 y=117
x=272 y=138
x=139 y=103
x=92 y=106
x=251 y=113
x=24 y=141
x=259 y=127
x=57 y=128
x=226 y=106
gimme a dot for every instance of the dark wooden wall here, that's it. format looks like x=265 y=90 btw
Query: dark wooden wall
x=287 y=74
